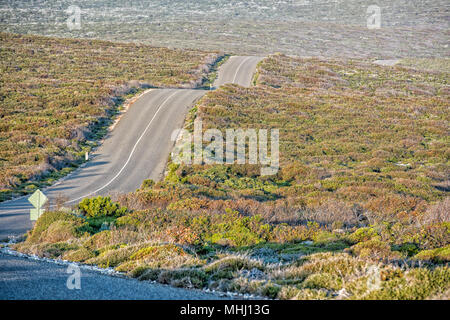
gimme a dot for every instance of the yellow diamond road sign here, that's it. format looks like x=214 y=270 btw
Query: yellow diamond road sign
x=37 y=199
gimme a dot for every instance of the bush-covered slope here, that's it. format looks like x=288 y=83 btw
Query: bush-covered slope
x=358 y=210
x=351 y=133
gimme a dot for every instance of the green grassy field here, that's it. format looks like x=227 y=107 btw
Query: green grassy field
x=57 y=97
x=358 y=210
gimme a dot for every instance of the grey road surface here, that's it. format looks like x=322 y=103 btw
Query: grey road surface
x=23 y=279
x=136 y=149
x=238 y=70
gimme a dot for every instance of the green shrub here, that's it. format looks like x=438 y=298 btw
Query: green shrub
x=409 y=249
x=240 y=231
x=99 y=224
x=172 y=173
x=101 y=207
x=147 y=184
x=439 y=255
x=364 y=234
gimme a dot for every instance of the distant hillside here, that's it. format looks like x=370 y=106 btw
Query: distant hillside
x=338 y=28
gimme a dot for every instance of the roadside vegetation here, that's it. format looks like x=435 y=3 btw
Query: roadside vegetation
x=359 y=209
x=58 y=96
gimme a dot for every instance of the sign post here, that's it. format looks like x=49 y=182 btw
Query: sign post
x=37 y=199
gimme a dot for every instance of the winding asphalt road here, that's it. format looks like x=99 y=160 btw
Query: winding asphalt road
x=238 y=70
x=137 y=148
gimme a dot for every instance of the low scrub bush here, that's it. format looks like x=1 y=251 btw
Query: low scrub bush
x=439 y=255
x=63 y=227
x=375 y=249
x=79 y=255
x=100 y=207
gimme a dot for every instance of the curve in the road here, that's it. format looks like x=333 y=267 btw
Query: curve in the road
x=129 y=156
x=136 y=149
x=238 y=70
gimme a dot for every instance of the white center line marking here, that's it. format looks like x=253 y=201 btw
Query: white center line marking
x=237 y=70
x=131 y=154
